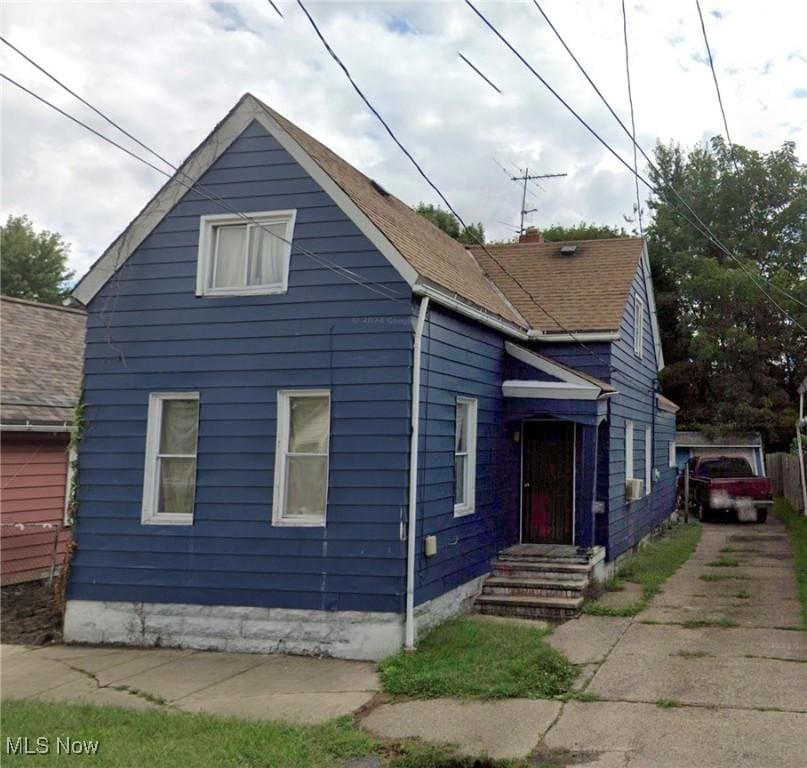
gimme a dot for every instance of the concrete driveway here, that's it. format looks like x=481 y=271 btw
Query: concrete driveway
x=712 y=674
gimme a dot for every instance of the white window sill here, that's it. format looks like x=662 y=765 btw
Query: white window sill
x=257 y=290
x=299 y=522
x=167 y=519
x=461 y=510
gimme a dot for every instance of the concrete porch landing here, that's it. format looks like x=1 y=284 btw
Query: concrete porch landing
x=563 y=551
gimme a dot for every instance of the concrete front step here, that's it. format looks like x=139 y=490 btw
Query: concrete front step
x=529 y=606
x=505 y=585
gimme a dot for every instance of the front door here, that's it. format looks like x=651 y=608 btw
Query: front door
x=548 y=477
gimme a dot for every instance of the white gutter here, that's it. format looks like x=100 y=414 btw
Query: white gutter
x=568 y=337
x=411 y=534
x=28 y=427
x=463 y=308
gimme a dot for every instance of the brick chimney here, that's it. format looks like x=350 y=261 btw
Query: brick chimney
x=531 y=235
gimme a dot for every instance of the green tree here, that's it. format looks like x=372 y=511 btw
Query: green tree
x=33 y=265
x=734 y=361
x=581 y=231
x=473 y=234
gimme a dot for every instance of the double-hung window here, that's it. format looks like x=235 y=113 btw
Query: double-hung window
x=465 y=457
x=301 y=461
x=672 y=454
x=648 y=459
x=638 y=328
x=169 y=485
x=239 y=257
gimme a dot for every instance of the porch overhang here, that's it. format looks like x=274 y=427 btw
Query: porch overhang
x=551 y=390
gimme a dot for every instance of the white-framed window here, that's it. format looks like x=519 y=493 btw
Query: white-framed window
x=465 y=457
x=629 y=450
x=169 y=481
x=673 y=458
x=301 y=460
x=638 y=329
x=243 y=258
x=648 y=459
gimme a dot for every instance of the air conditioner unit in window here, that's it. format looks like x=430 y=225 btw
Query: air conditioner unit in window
x=634 y=489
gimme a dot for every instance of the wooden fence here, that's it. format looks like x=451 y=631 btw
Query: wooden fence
x=783 y=470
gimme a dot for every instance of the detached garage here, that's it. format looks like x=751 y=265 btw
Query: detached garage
x=41 y=355
x=745 y=446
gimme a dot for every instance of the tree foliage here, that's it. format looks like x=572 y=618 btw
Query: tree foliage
x=734 y=361
x=33 y=265
x=473 y=234
x=582 y=231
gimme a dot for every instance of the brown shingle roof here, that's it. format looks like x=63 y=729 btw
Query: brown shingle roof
x=584 y=292
x=429 y=250
x=41 y=361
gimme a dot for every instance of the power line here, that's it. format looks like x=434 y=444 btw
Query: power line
x=277 y=10
x=348 y=274
x=481 y=74
x=428 y=180
x=632 y=120
x=703 y=228
x=717 y=86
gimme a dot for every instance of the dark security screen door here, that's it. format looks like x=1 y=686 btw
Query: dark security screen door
x=548 y=476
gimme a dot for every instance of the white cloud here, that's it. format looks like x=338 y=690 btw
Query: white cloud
x=169 y=71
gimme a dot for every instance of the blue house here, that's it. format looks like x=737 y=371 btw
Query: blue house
x=313 y=420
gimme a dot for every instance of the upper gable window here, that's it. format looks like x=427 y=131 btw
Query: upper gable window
x=242 y=258
x=638 y=329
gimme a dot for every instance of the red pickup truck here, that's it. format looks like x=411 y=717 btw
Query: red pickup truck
x=725 y=486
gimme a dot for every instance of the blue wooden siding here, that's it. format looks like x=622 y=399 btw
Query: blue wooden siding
x=149 y=332
x=462 y=358
x=636 y=382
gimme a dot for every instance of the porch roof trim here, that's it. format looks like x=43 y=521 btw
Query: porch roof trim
x=571 y=380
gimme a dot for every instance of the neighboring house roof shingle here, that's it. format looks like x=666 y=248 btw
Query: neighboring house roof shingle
x=586 y=291
x=41 y=362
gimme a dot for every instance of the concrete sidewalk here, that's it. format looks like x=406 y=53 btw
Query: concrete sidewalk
x=291 y=688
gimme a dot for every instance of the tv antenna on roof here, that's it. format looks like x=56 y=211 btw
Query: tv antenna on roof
x=525 y=178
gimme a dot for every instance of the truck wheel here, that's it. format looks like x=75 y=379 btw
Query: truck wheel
x=703 y=512
x=762 y=516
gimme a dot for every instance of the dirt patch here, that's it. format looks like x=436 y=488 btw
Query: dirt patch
x=29 y=615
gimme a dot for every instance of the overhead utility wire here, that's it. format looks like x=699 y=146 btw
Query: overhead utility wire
x=632 y=120
x=348 y=274
x=717 y=85
x=703 y=229
x=428 y=180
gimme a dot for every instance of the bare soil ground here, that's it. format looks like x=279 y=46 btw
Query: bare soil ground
x=28 y=614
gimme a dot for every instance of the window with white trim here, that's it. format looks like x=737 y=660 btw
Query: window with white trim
x=238 y=257
x=301 y=461
x=629 y=450
x=673 y=459
x=169 y=482
x=648 y=459
x=638 y=328
x=465 y=457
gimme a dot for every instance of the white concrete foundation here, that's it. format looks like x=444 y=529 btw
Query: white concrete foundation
x=244 y=629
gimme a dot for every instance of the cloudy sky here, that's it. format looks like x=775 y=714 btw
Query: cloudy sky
x=169 y=71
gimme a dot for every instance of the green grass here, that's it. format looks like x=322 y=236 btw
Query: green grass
x=743 y=594
x=162 y=739
x=668 y=703
x=719 y=622
x=650 y=567
x=724 y=562
x=470 y=658
x=721 y=576
x=797 y=528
